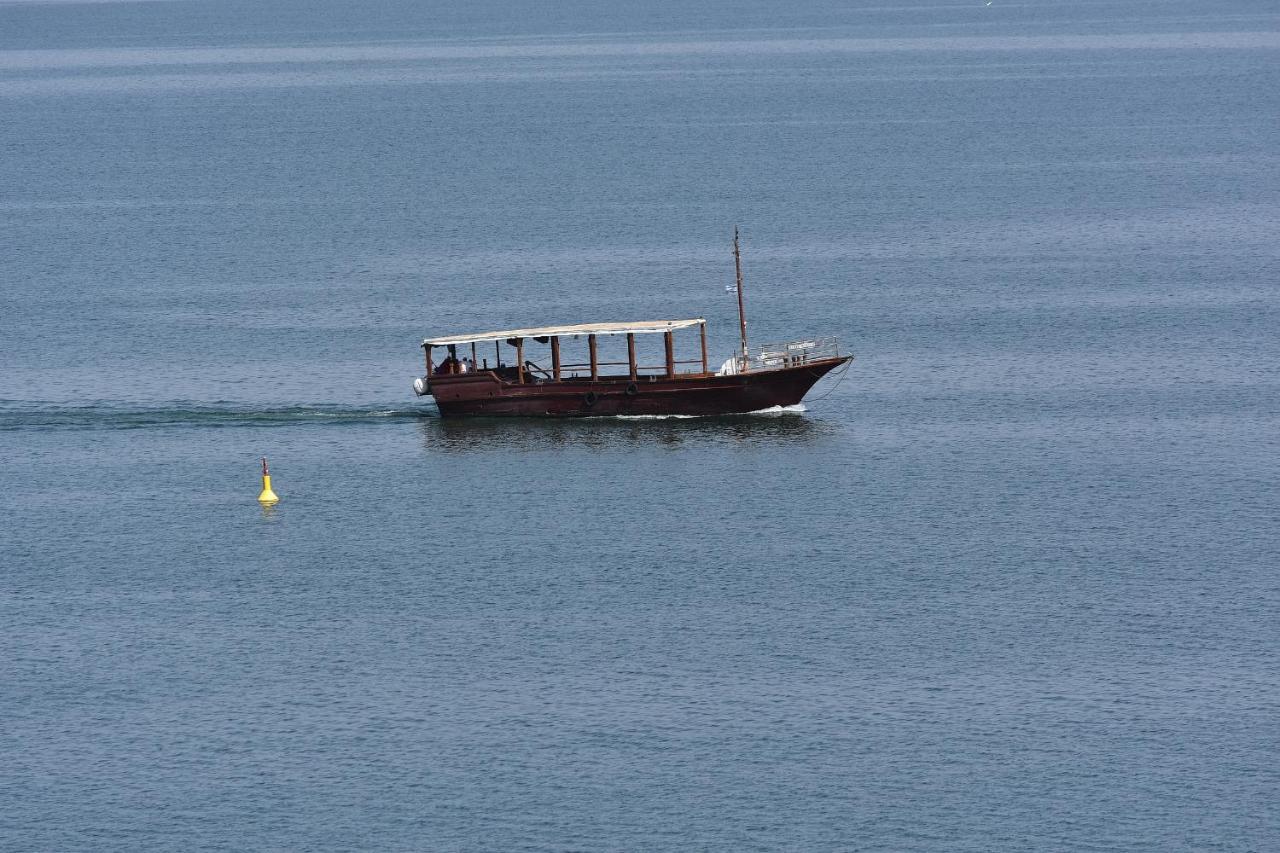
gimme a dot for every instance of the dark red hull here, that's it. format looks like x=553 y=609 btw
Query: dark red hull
x=485 y=393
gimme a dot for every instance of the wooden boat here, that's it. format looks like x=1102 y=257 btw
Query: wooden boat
x=766 y=377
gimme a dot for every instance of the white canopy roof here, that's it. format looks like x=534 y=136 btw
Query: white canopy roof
x=646 y=327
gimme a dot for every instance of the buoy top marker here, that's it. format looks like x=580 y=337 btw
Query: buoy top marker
x=268 y=497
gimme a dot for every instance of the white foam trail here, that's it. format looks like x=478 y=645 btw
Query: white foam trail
x=772 y=411
x=653 y=417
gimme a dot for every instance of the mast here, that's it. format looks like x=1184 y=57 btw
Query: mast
x=742 y=313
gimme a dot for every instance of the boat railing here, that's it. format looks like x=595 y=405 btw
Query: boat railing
x=791 y=353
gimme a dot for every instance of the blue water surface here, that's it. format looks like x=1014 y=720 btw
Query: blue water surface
x=1011 y=584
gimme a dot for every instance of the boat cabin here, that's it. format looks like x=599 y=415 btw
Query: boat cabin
x=471 y=353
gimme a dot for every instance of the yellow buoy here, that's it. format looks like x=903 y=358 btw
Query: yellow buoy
x=268 y=497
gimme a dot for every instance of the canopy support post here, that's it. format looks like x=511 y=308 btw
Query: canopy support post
x=427 y=349
x=555 y=357
x=473 y=355
x=702 y=328
x=497 y=355
x=520 y=360
x=668 y=339
x=631 y=355
x=595 y=368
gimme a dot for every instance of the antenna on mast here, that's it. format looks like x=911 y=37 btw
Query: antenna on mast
x=742 y=313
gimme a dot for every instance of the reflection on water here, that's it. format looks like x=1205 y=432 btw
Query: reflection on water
x=505 y=434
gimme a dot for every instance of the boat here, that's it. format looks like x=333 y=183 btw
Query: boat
x=768 y=376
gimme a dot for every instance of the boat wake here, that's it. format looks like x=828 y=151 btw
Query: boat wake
x=20 y=416
x=772 y=411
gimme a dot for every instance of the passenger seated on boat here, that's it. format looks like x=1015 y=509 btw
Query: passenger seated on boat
x=449 y=365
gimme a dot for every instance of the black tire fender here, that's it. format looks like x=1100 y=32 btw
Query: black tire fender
x=632 y=389
x=589 y=399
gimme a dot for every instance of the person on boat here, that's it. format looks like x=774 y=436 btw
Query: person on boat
x=450 y=364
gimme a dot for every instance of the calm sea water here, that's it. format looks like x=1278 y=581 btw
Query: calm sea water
x=1011 y=585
